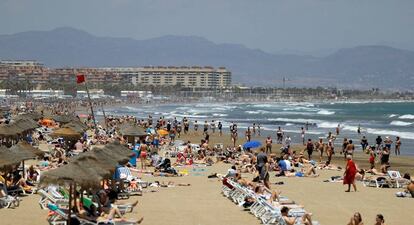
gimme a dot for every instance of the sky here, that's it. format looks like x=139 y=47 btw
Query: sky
x=296 y=26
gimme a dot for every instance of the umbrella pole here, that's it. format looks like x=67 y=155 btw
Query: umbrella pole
x=24 y=171
x=70 y=203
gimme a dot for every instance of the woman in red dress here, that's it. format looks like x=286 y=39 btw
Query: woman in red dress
x=350 y=172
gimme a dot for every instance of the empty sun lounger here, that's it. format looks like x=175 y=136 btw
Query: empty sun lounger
x=46 y=198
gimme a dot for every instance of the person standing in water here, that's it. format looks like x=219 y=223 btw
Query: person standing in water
x=337 y=129
x=397 y=145
x=303 y=135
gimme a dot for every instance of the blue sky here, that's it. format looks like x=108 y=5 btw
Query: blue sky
x=270 y=25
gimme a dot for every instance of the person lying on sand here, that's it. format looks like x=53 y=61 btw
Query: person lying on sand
x=305 y=219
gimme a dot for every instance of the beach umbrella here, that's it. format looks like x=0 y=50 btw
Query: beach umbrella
x=66 y=132
x=9 y=158
x=73 y=172
x=8 y=130
x=33 y=116
x=23 y=146
x=133 y=131
x=77 y=126
x=252 y=144
x=162 y=132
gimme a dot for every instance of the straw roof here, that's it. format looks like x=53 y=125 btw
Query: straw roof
x=17 y=127
x=66 y=132
x=77 y=126
x=77 y=172
x=133 y=130
x=63 y=118
x=9 y=157
x=33 y=116
x=25 y=147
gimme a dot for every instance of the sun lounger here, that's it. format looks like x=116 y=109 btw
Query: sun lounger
x=397 y=179
x=9 y=202
x=46 y=198
x=261 y=208
x=60 y=218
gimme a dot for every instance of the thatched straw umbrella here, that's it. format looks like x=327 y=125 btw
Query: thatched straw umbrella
x=33 y=116
x=130 y=131
x=74 y=173
x=62 y=119
x=77 y=126
x=26 y=149
x=66 y=132
x=9 y=158
x=9 y=131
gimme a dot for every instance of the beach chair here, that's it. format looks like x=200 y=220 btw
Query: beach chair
x=46 y=198
x=60 y=218
x=396 y=178
x=9 y=201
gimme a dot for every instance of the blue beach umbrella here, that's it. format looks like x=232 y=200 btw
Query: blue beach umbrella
x=252 y=144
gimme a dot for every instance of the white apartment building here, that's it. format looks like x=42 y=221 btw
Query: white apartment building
x=195 y=76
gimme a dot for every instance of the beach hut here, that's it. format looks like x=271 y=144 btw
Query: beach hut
x=62 y=119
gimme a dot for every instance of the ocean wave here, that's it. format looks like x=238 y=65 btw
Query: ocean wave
x=258 y=112
x=400 y=123
x=325 y=112
x=401 y=134
x=298 y=120
x=392 y=115
x=220 y=114
x=407 y=116
x=130 y=108
x=327 y=125
x=289 y=124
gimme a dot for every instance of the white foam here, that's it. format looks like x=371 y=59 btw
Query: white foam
x=325 y=112
x=327 y=125
x=220 y=114
x=289 y=124
x=407 y=116
x=392 y=115
x=400 y=123
x=298 y=120
x=405 y=135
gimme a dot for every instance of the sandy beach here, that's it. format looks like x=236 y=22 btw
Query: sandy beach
x=202 y=203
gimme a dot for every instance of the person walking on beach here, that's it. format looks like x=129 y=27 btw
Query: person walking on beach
x=337 y=129
x=220 y=128
x=279 y=135
x=195 y=126
x=397 y=145
x=205 y=127
x=248 y=134
x=320 y=147
x=213 y=126
x=378 y=141
x=349 y=174
x=364 y=143
x=179 y=127
x=350 y=148
x=268 y=142
x=254 y=129
x=388 y=142
x=234 y=137
x=258 y=129
x=309 y=148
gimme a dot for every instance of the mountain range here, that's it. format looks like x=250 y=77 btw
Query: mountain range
x=360 y=67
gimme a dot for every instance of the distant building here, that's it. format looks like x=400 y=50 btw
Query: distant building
x=195 y=76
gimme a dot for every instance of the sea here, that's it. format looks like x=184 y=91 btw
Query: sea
x=375 y=118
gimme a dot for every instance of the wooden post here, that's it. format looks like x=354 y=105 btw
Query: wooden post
x=70 y=203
